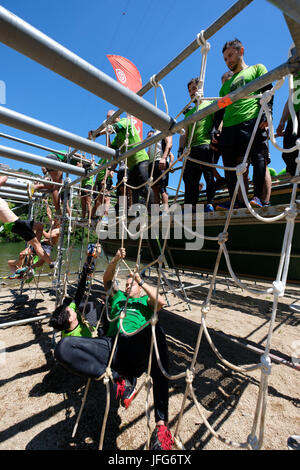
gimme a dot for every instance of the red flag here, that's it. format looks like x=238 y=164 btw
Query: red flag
x=128 y=75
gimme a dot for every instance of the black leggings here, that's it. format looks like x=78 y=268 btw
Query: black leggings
x=193 y=172
x=89 y=357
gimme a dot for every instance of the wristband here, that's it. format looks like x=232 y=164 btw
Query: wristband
x=141 y=283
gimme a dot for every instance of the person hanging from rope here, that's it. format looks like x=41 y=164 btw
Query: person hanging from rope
x=23 y=228
x=90 y=356
x=200 y=150
x=122 y=191
x=161 y=157
x=68 y=317
x=103 y=185
x=286 y=130
x=138 y=163
x=239 y=120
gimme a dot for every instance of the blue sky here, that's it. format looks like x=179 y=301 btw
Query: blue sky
x=150 y=34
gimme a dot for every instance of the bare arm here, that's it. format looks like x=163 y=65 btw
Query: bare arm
x=163 y=160
x=151 y=292
x=108 y=276
x=283 y=119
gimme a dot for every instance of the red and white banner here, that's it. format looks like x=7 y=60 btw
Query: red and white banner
x=128 y=75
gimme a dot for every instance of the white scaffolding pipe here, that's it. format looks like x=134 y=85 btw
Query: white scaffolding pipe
x=26 y=157
x=34 y=126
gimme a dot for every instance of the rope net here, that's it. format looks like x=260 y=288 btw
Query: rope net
x=255 y=438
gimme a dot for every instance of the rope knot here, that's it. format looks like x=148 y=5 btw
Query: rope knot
x=109 y=128
x=201 y=41
x=222 y=237
x=265 y=364
x=290 y=213
x=241 y=168
x=153 y=81
x=278 y=288
x=253 y=442
x=182 y=131
x=199 y=93
x=266 y=96
x=189 y=376
x=205 y=308
x=186 y=152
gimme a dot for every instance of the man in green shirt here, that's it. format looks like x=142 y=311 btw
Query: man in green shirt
x=90 y=356
x=239 y=119
x=138 y=163
x=201 y=151
x=289 y=138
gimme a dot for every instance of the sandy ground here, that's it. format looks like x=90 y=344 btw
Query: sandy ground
x=40 y=400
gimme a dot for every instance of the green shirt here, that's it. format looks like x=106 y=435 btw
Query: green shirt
x=243 y=109
x=101 y=174
x=80 y=330
x=201 y=135
x=120 y=128
x=89 y=181
x=137 y=314
x=296 y=93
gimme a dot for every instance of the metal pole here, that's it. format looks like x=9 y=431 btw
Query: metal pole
x=16 y=197
x=34 y=126
x=21 y=36
x=18 y=192
x=22 y=322
x=26 y=157
x=209 y=32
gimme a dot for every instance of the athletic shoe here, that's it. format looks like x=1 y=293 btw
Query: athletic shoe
x=19 y=273
x=125 y=391
x=52 y=265
x=256 y=202
x=266 y=203
x=30 y=190
x=161 y=439
x=209 y=208
x=293 y=443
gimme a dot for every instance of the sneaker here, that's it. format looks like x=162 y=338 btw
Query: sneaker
x=266 y=203
x=30 y=190
x=19 y=273
x=293 y=443
x=256 y=202
x=125 y=391
x=209 y=208
x=161 y=439
x=52 y=265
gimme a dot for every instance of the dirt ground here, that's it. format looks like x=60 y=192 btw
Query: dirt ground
x=40 y=400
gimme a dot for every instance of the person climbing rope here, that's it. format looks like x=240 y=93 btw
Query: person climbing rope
x=90 y=356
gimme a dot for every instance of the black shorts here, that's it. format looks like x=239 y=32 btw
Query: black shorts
x=164 y=180
x=86 y=193
x=289 y=141
x=24 y=229
x=46 y=247
x=98 y=185
x=236 y=138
